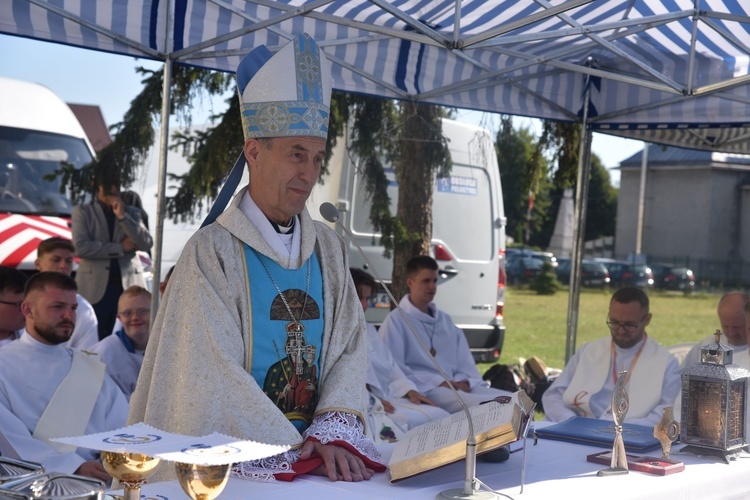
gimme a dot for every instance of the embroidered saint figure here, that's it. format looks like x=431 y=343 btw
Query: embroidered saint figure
x=292 y=383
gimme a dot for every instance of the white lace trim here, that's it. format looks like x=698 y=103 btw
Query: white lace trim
x=340 y=426
x=326 y=428
x=265 y=468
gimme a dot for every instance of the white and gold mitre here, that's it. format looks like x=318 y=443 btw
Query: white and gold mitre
x=285 y=94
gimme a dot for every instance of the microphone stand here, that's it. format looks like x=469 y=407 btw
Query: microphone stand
x=470 y=490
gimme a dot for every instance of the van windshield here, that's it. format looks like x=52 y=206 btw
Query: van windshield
x=26 y=157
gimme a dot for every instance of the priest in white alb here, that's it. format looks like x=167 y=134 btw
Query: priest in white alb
x=48 y=390
x=260 y=335
x=585 y=386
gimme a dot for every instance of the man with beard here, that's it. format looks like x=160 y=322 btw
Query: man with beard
x=57 y=254
x=585 y=386
x=48 y=390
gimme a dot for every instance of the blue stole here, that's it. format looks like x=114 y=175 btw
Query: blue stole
x=125 y=340
x=290 y=381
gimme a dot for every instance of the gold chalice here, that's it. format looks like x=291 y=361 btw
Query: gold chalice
x=131 y=469
x=202 y=482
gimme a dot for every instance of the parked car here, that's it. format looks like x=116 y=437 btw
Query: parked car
x=521 y=270
x=671 y=277
x=534 y=254
x=593 y=274
x=623 y=273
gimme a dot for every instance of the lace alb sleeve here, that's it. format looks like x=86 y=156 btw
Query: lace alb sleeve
x=326 y=428
x=340 y=426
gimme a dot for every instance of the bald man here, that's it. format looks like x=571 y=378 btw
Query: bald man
x=731 y=312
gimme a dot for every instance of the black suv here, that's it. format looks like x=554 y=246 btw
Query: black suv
x=593 y=274
x=622 y=273
x=671 y=277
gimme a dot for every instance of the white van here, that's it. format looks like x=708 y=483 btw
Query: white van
x=38 y=133
x=468 y=234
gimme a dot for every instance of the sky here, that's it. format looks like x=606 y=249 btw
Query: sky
x=110 y=81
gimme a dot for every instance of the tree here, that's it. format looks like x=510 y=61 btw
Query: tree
x=515 y=151
x=601 y=213
x=545 y=166
x=601 y=207
x=423 y=155
x=407 y=134
x=120 y=162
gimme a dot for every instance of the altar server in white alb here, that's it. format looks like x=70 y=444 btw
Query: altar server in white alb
x=48 y=390
x=260 y=335
x=122 y=351
x=386 y=382
x=445 y=341
x=585 y=386
x=56 y=254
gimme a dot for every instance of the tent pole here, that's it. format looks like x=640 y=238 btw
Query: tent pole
x=161 y=200
x=166 y=104
x=641 y=201
x=582 y=194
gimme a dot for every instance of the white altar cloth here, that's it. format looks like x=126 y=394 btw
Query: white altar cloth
x=554 y=470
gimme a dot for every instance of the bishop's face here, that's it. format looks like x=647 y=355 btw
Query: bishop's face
x=50 y=314
x=283 y=172
x=627 y=323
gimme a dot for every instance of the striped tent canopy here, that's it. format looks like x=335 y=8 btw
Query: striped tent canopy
x=668 y=71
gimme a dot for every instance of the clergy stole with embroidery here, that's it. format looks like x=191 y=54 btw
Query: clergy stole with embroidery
x=286 y=350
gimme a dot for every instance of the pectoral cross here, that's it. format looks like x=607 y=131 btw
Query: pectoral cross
x=297 y=347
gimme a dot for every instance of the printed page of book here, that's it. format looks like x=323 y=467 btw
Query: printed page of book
x=441 y=442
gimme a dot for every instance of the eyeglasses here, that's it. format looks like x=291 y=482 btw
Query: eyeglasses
x=16 y=305
x=627 y=326
x=141 y=313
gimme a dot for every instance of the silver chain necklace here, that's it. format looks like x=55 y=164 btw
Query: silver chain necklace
x=431 y=336
x=296 y=345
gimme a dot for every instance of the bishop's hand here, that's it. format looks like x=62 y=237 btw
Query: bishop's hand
x=339 y=464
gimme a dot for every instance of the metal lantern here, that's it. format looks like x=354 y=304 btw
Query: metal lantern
x=714 y=400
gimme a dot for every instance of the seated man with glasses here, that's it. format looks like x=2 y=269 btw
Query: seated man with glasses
x=585 y=386
x=12 y=320
x=123 y=351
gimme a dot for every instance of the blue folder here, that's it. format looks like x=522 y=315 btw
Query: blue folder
x=601 y=433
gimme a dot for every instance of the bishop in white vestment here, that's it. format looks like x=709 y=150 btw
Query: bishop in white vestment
x=260 y=335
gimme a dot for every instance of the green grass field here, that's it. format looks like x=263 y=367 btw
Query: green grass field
x=536 y=324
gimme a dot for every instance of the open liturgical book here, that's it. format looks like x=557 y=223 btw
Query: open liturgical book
x=496 y=423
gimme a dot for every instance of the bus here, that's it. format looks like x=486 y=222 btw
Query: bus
x=38 y=134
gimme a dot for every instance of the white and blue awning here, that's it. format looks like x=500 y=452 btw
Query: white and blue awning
x=674 y=71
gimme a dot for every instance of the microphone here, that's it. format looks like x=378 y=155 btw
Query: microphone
x=470 y=491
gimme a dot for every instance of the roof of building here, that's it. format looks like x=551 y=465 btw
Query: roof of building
x=93 y=124
x=658 y=154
